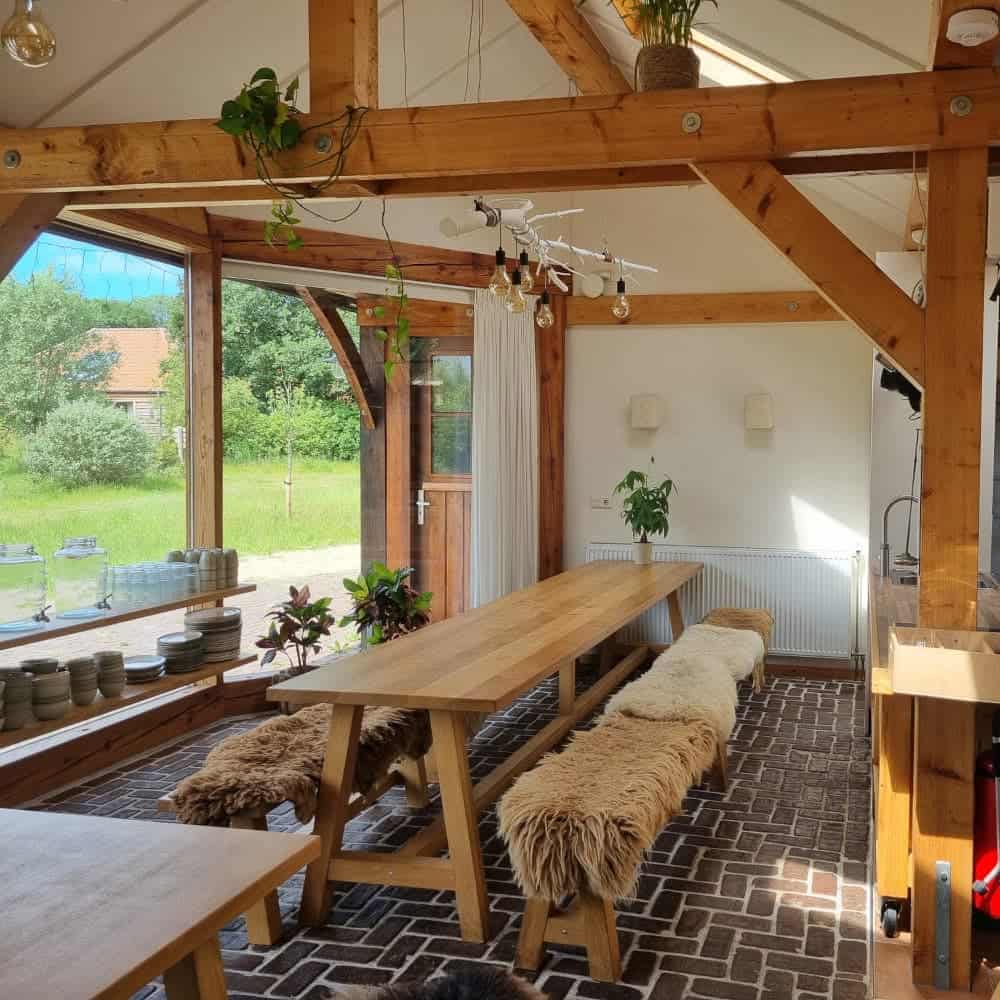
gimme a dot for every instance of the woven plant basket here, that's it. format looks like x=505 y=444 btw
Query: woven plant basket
x=666 y=67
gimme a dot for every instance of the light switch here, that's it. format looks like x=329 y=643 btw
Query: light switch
x=600 y=503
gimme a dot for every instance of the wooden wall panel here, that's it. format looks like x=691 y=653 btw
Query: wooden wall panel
x=550 y=349
x=428 y=317
x=204 y=482
x=944 y=755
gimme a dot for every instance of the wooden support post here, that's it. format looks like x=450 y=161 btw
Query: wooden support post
x=550 y=351
x=22 y=220
x=949 y=541
x=343 y=55
x=204 y=434
x=398 y=489
x=373 y=452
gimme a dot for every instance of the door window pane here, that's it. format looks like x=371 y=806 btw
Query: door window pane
x=451 y=444
x=454 y=393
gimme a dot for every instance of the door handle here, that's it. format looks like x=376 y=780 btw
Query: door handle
x=421 y=504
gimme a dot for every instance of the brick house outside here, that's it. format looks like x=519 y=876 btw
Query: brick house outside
x=135 y=383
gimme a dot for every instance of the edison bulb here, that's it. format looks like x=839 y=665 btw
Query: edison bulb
x=621 y=307
x=26 y=36
x=527 y=281
x=544 y=317
x=500 y=282
x=516 y=302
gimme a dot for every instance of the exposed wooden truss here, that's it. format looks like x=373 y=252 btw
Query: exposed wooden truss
x=21 y=222
x=184 y=230
x=573 y=44
x=343 y=55
x=324 y=310
x=705 y=308
x=842 y=274
x=427 y=317
x=899 y=113
x=243 y=239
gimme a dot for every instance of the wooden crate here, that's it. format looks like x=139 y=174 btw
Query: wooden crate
x=951 y=664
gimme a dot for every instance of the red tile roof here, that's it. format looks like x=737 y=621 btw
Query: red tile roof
x=140 y=353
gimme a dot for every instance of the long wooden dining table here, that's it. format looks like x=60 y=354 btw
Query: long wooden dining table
x=478 y=662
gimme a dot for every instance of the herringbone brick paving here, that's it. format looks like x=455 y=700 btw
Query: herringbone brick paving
x=758 y=894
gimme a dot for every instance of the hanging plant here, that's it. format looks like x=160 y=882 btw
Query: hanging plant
x=267 y=121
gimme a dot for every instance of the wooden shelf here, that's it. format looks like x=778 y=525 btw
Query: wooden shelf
x=132 y=694
x=59 y=627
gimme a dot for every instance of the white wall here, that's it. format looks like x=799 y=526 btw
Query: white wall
x=803 y=485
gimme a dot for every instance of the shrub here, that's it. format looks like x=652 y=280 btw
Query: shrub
x=88 y=441
x=243 y=430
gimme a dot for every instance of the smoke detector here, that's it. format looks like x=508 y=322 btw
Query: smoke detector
x=973 y=27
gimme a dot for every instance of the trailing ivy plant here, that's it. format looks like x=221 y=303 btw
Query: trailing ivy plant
x=268 y=121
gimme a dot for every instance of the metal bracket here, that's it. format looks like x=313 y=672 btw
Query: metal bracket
x=942 y=925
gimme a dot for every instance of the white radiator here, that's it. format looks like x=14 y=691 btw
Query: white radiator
x=813 y=595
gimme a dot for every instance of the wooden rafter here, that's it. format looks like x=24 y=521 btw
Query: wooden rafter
x=842 y=274
x=21 y=222
x=343 y=55
x=947 y=55
x=897 y=113
x=325 y=313
x=243 y=239
x=573 y=44
x=701 y=309
x=184 y=230
x=427 y=317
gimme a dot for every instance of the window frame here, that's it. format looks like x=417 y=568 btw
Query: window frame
x=427 y=437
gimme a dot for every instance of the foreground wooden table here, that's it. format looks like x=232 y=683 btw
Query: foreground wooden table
x=474 y=663
x=97 y=908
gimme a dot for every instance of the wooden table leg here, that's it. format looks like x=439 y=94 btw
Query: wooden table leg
x=567 y=686
x=461 y=826
x=198 y=976
x=263 y=918
x=335 y=787
x=676 y=618
x=609 y=654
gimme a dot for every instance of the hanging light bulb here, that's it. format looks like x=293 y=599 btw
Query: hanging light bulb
x=26 y=36
x=527 y=281
x=621 y=307
x=544 y=317
x=500 y=282
x=516 y=302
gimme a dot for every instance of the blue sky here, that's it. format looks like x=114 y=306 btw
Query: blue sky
x=98 y=273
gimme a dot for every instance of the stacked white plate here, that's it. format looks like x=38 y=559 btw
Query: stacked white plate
x=143 y=669
x=223 y=630
x=182 y=652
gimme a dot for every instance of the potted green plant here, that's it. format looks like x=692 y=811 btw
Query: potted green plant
x=297 y=625
x=645 y=509
x=666 y=60
x=386 y=607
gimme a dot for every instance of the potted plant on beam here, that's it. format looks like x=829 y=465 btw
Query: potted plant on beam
x=666 y=60
x=645 y=509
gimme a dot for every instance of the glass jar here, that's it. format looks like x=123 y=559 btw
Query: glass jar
x=80 y=579
x=22 y=588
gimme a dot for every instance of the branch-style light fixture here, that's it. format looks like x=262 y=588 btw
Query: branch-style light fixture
x=27 y=37
x=515 y=215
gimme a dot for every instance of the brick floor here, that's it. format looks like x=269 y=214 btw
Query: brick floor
x=759 y=894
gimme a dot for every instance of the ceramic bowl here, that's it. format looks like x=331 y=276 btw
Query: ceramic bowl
x=52 y=710
x=111 y=690
x=40 y=665
x=84 y=696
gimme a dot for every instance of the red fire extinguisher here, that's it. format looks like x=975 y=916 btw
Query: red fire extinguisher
x=986 y=841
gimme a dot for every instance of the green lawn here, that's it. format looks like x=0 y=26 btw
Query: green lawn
x=143 y=522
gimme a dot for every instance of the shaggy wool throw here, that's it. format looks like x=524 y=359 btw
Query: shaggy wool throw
x=583 y=818
x=735 y=649
x=282 y=759
x=756 y=620
x=681 y=692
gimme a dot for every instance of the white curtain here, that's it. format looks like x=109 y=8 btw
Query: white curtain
x=504 y=451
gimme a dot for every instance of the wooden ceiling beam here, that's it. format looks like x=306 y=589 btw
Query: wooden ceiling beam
x=848 y=279
x=428 y=317
x=22 y=221
x=573 y=44
x=184 y=230
x=900 y=113
x=243 y=239
x=945 y=54
x=702 y=309
x=324 y=310
x=343 y=55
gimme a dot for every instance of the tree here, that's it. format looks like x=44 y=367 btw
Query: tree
x=48 y=352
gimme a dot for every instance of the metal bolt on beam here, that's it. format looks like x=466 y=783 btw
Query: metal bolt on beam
x=11 y=158
x=961 y=107
x=323 y=142
x=691 y=123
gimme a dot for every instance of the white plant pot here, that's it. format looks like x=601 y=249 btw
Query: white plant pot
x=642 y=553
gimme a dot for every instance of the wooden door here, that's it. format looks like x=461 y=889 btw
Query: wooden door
x=441 y=545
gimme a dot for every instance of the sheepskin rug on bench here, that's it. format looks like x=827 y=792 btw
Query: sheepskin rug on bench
x=584 y=817
x=282 y=760
x=738 y=650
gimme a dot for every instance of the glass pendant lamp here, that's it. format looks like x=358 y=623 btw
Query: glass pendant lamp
x=27 y=37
